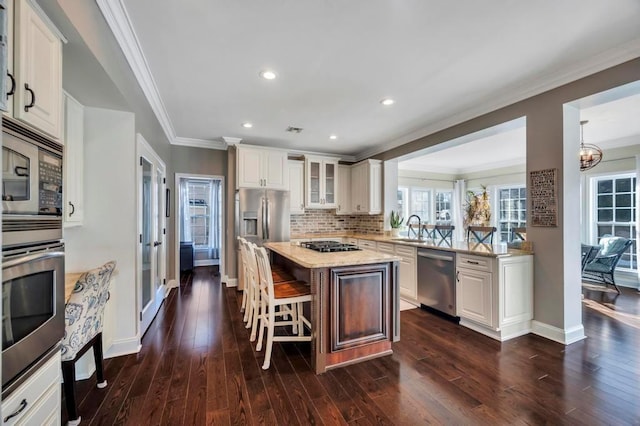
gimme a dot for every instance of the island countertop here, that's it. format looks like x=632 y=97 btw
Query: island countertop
x=308 y=258
x=496 y=250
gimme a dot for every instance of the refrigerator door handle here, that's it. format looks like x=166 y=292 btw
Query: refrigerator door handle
x=263 y=218
x=267 y=217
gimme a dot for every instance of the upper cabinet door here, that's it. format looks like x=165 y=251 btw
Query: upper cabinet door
x=10 y=80
x=321 y=182
x=296 y=186
x=275 y=166
x=249 y=165
x=262 y=168
x=38 y=66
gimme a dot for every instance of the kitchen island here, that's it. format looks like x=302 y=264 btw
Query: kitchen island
x=355 y=313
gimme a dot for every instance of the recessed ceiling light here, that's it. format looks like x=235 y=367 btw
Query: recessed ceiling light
x=333 y=137
x=247 y=125
x=268 y=75
x=387 y=101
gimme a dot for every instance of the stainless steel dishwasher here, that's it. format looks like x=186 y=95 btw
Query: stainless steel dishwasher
x=436 y=280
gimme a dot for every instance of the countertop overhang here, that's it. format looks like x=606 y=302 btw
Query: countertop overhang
x=308 y=258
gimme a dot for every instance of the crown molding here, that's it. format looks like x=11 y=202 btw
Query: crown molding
x=517 y=93
x=118 y=20
x=200 y=143
x=430 y=168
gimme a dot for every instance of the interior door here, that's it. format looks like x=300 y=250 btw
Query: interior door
x=152 y=247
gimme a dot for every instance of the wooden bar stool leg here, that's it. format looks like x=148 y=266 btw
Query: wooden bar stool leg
x=69 y=376
x=270 y=330
x=299 y=319
x=99 y=359
x=261 y=326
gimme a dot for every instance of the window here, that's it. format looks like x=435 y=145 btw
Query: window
x=513 y=211
x=615 y=212
x=443 y=206
x=403 y=202
x=420 y=203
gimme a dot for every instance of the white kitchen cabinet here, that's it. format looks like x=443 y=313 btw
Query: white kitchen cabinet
x=494 y=296
x=344 y=190
x=367 y=244
x=73 y=162
x=37 y=400
x=366 y=187
x=321 y=182
x=296 y=186
x=37 y=64
x=10 y=80
x=262 y=168
x=408 y=272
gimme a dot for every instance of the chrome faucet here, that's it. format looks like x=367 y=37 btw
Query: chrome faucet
x=419 y=233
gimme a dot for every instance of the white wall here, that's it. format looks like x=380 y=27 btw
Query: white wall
x=109 y=229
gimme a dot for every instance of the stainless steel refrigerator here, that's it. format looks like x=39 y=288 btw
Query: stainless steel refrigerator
x=262 y=215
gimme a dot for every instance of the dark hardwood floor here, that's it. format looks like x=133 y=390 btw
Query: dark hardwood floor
x=197 y=366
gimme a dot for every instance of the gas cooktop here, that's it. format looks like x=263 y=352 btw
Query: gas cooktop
x=329 y=246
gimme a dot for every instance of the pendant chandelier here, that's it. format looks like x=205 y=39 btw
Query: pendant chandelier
x=590 y=155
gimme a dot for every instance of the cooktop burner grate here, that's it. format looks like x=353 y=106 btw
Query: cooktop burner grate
x=329 y=246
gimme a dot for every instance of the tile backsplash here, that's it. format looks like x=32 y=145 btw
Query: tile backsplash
x=326 y=222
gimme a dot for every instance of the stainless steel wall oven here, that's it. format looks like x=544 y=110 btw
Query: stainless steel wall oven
x=32 y=251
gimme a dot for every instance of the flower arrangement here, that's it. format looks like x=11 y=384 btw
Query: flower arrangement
x=478 y=208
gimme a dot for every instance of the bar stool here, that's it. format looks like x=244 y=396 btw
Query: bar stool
x=83 y=330
x=445 y=231
x=243 y=268
x=278 y=277
x=481 y=234
x=429 y=232
x=293 y=293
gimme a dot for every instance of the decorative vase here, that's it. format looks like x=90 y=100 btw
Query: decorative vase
x=395 y=232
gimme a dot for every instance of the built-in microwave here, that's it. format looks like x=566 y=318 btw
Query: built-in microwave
x=32 y=308
x=31 y=185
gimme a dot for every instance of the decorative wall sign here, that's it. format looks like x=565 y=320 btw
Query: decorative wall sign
x=543 y=192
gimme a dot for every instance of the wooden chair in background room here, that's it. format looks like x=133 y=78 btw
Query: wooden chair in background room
x=519 y=234
x=83 y=330
x=481 y=234
x=444 y=232
x=429 y=232
x=294 y=294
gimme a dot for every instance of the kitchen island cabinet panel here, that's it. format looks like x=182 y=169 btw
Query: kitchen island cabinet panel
x=353 y=289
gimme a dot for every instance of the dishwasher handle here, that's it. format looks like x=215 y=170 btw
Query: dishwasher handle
x=436 y=256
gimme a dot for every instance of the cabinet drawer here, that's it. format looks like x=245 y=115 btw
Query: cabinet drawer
x=385 y=248
x=371 y=245
x=405 y=251
x=479 y=263
x=47 y=411
x=32 y=390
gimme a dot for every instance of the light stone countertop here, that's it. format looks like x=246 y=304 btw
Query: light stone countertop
x=308 y=258
x=498 y=250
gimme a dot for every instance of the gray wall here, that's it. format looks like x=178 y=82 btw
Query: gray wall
x=545 y=137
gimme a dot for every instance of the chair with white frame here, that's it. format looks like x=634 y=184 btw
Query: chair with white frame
x=293 y=293
x=278 y=276
x=242 y=261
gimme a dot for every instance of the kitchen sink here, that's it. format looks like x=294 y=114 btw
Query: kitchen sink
x=409 y=240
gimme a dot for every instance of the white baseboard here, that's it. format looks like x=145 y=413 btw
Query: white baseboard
x=123 y=347
x=173 y=283
x=566 y=337
x=232 y=282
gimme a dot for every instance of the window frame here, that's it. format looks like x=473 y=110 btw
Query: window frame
x=592 y=205
x=497 y=207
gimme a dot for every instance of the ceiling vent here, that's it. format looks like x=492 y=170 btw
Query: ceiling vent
x=292 y=129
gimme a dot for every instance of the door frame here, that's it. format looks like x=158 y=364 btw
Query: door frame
x=143 y=149
x=223 y=233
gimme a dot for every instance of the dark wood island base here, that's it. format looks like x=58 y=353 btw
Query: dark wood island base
x=355 y=312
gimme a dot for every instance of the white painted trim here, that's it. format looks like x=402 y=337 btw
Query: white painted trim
x=122 y=347
x=232 y=282
x=522 y=91
x=566 y=337
x=173 y=283
x=223 y=225
x=200 y=143
x=118 y=20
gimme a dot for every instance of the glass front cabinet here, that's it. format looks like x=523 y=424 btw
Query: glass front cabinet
x=321 y=176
